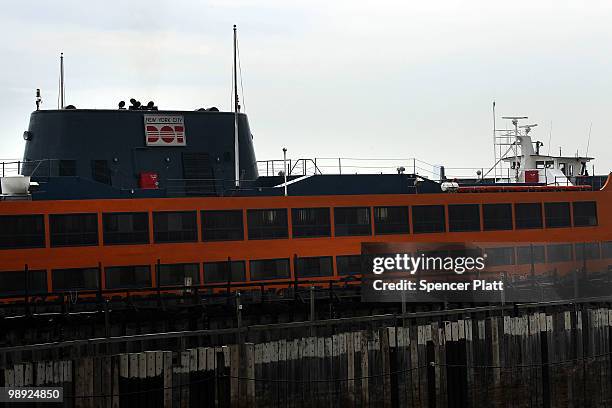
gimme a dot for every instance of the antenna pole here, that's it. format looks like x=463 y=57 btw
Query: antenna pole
x=589 y=140
x=236 y=110
x=62 y=81
x=494 y=143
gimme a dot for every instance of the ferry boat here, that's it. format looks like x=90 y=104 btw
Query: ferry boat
x=141 y=200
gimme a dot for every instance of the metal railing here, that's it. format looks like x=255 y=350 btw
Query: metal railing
x=355 y=165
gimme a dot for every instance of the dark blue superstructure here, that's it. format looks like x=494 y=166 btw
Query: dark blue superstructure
x=89 y=154
x=106 y=151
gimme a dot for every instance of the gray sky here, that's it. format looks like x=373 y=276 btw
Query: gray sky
x=328 y=78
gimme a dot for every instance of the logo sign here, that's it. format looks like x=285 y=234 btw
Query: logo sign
x=164 y=130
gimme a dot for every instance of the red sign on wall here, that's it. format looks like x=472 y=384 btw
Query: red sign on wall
x=164 y=130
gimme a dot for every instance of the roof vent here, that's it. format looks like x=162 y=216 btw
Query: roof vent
x=70 y=107
x=135 y=105
x=213 y=109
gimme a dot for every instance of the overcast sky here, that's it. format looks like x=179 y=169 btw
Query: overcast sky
x=328 y=78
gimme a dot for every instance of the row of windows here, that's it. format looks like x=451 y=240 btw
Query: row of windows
x=139 y=276
x=27 y=231
x=548 y=253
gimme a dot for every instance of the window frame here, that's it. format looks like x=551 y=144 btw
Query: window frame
x=486 y=223
x=526 y=219
x=210 y=214
x=344 y=228
x=438 y=226
x=256 y=216
x=452 y=227
x=402 y=227
x=157 y=219
x=143 y=232
x=52 y=234
x=326 y=225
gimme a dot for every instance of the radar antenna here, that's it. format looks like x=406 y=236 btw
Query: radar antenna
x=236 y=110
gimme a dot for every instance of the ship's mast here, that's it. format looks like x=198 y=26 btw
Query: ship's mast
x=236 y=110
x=61 y=90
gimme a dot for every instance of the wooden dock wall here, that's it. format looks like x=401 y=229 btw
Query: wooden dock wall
x=554 y=359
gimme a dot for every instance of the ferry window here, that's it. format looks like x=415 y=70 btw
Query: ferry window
x=222 y=225
x=263 y=269
x=73 y=229
x=391 y=220
x=528 y=215
x=74 y=279
x=587 y=250
x=350 y=221
x=557 y=215
x=126 y=228
x=67 y=168
x=310 y=222
x=100 y=171
x=463 y=217
x=559 y=252
x=497 y=217
x=179 y=274
x=217 y=272
x=22 y=231
x=13 y=282
x=179 y=226
x=606 y=249
x=348 y=264
x=118 y=277
x=314 y=266
x=499 y=256
x=428 y=218
x=530 y=254
x=267 y=224
x=585 y=213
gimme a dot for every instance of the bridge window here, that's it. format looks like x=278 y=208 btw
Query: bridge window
x=497 y=217
x=530 y=254
x=528 y=215
x=222 y=225
x=74 y=279
x=100 y=171
x=557 y=215
x=391 y=220
x=179 y=226
x=587 y=250
x=267 y=224
x=585 y=213
x=463 y=217
x=499 y=256
x=119 y=277
x=348 y=264
x=67 y=168
x=126 y=228
x=217 y=272
x=559 y=252
x=314 y=266
x=428 y=218
x=264 y=269
x=352 y=221
x=22 y=231
x=310 y=222
x=179 y=274
x=73 y=229
x=13 y=282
